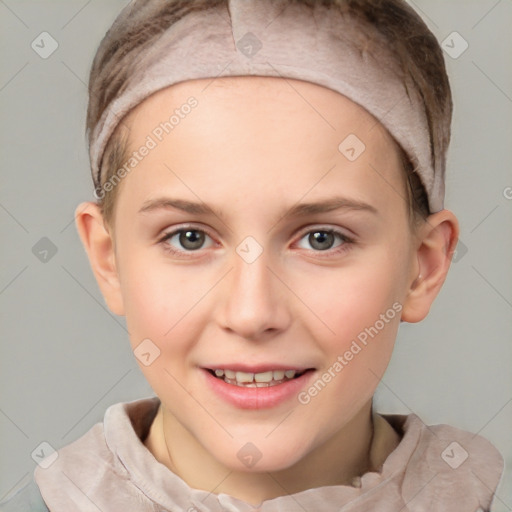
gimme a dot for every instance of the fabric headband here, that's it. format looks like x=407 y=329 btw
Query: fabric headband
x=256 y=37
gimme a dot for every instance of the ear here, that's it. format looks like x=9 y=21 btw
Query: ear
x=99 y=245
x=437 y=240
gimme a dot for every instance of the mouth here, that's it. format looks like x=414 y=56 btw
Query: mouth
x=256 y=387
x=264 y=379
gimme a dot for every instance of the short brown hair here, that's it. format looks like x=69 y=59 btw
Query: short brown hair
x=143 y=21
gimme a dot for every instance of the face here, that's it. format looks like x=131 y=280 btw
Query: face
x=251 y=245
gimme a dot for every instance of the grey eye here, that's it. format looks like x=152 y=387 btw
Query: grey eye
x=321 y=240
x=188 y=239
x=192 y=239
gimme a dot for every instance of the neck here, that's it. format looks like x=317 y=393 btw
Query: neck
x=175 y=447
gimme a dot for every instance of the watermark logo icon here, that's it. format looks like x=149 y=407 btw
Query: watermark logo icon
x=146 y=352
x=44 y=455
x=352 y=147
x=455 y=45
x=249 y=45
x=249 y=455
x=454 y=455
x=460 y=252
x=44 y=250
x=249 y=249
x=44 y=45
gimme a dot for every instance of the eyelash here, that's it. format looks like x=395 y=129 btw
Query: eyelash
x=176 y=252
x=346 y=244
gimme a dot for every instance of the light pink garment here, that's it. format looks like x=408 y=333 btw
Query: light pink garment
x=110 y=469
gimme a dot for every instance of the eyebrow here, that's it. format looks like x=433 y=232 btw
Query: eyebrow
x=177 y=204
x=299 y=210
x=334 y=203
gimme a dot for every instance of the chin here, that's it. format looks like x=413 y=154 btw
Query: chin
x=262 y=457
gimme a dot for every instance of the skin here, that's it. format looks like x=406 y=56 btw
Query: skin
x=252 y=149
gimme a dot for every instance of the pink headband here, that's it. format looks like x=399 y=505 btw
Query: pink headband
x=258 y=37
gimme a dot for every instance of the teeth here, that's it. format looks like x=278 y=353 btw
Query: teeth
x=253 y=380
x=263 y=377
x=244 y=377
x=278 y=375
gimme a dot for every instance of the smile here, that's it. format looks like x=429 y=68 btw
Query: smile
x=256 y=387
x=256 y=380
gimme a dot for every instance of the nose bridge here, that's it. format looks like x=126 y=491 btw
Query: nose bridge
x=253 y=305
x=251 y=279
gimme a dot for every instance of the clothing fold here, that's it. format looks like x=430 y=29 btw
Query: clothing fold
x=434 y=468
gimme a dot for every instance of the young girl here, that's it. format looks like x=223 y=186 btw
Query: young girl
x=269 y=179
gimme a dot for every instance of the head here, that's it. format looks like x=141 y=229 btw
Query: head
x=246 y=239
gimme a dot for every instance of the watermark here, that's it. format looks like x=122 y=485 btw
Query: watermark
x=146 y=352
x=454 y=45
x=357 y=345
x=249 y=455
x=454 y=455
x=44 y=45
x=44 y=455
x=460 y=251
x=249 y=45
x=249 y=249
x=352 y=147
x=152 y=140
x=44 y=250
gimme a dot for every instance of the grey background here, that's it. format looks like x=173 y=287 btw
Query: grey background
x=65 y=358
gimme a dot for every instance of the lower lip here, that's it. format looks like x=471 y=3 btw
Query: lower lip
x=257 y=398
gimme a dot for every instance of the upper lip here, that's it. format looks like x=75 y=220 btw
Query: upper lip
x=259 y=368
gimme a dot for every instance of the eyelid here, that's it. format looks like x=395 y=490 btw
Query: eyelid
x=171 y=232
x=347 y=240
x=324 y=227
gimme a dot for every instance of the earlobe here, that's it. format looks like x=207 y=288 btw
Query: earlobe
x=98 y=244
x=436 y=245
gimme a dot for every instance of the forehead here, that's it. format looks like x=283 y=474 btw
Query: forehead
x=274 y=132
x=288 y=108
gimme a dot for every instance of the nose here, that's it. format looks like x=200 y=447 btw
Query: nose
x=254 y=305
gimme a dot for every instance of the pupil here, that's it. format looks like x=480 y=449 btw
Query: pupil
x=321 y=240
x=191 y=239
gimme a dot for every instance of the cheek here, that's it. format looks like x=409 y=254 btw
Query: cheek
x=164 y=315
x=358 y=309
x=365 y=321
x=159 y=300
x=349 y=299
